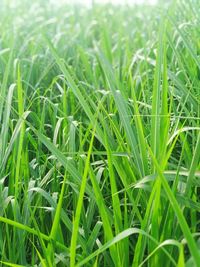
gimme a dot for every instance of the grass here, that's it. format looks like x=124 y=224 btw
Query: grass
x=99 y=134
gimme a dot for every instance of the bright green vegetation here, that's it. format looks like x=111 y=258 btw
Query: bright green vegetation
x=99 y=135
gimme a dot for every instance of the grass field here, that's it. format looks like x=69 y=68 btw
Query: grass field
x=100 y=135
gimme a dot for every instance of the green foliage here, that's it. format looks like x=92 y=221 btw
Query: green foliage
x=99 y=134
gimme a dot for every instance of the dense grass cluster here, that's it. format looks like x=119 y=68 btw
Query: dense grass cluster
x=99 y=134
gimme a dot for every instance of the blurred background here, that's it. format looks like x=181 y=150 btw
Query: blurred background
x=90 y=2
x=121 y=2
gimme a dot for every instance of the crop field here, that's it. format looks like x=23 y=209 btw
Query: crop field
x=99 y=134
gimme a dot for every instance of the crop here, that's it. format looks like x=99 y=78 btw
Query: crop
x=99 y=134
